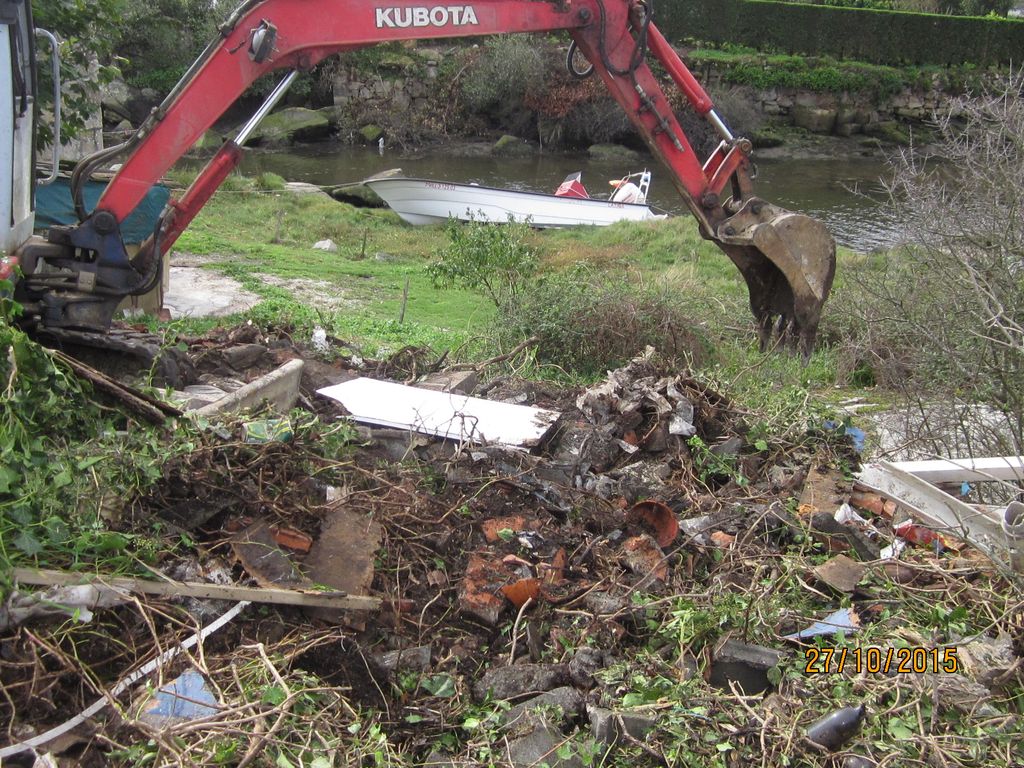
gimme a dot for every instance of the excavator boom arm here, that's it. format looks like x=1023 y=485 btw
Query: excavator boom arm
x=787 y=285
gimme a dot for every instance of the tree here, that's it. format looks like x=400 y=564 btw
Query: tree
x=89 y=32
x=948 y=310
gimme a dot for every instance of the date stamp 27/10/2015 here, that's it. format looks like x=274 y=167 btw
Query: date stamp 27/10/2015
x=877 y=660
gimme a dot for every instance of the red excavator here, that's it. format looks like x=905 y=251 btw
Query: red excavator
x=73 y=280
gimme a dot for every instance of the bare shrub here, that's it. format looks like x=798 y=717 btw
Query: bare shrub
x=943 y=316
x=588 y=321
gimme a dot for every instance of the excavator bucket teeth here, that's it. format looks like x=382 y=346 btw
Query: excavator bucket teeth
x=788 y=261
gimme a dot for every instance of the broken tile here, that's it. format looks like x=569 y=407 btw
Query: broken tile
x=645 y=558
x=841 y=573
x=263 y=559
x=521 y=591
x=342 y=557
x=656 y=519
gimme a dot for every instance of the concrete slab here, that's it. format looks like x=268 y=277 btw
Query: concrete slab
x=196 y=292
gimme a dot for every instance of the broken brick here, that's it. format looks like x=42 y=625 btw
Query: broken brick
x=477 y=593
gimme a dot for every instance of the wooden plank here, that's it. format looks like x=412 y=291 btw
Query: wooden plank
x=332 y=599
x=441 y=414
x=1007 y=468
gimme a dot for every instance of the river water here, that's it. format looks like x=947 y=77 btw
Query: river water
x=843 y=192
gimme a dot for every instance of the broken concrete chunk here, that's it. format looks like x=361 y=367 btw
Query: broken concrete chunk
x=520 y=680
x=744 y=664
x=607 y=728
x=584 y=664
x=459 y=382
x=565 y=699
x=539 y=746
x=841 y=573
x=244 y=356
x=987 y=661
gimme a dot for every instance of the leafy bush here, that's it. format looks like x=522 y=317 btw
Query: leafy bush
x=494 y=260
x=587 y=321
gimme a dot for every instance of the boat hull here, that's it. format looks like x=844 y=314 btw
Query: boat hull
x=422 y=201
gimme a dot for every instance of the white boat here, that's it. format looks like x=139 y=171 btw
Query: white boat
x=424 y=201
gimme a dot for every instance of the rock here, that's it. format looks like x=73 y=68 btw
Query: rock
x=605 y=726
x=567 y=699
x=519 y=680
x=814 y=119
x=325 y=245
x=371 y=133
x=291 y=125
x=844 y=536
x=244 y=356
x=208 y=142
x=335 y=115
x=613 y=152
x=540 y=747
x=887 y=131
x=744 y=664
x=729 y=448
x=404 y=660
x=459 y=382
x=584 y=664
x=511 y=146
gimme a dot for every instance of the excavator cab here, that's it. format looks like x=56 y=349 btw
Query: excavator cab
x=17 y=123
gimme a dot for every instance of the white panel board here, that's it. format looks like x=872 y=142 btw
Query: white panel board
x=1008 y=468
x=441 y=414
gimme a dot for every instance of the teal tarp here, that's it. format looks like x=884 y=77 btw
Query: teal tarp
x=55 y=207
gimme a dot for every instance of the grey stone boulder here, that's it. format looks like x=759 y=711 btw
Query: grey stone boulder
x=538 y=744
x=566 y=700
x=520 y=680
x=614 y=153
x=606 y=727
x=290 y=125
x=511 y=146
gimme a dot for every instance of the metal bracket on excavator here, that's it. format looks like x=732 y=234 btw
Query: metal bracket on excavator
x=788 y=261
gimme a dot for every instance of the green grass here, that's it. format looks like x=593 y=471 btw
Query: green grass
x=251 y=233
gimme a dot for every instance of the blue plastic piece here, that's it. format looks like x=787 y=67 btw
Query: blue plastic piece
x=856 y=434
x=186 y=698
x=842 y=620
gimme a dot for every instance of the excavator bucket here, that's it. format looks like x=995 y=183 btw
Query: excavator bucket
x=788 y=261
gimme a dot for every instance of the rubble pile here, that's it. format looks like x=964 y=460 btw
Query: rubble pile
x=644 y=585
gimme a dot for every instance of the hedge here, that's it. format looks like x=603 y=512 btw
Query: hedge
x=881 y=37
